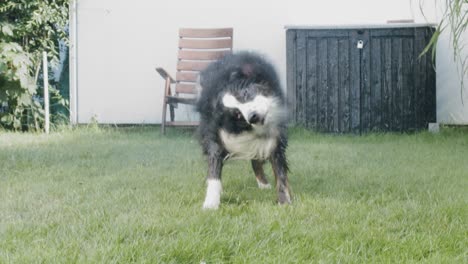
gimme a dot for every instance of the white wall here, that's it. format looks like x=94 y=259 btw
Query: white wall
x=119 y=43
x=452 y=99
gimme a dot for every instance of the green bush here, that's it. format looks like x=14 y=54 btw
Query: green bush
x=27 y=28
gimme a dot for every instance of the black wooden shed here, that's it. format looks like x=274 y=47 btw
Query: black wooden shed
x=359 y=79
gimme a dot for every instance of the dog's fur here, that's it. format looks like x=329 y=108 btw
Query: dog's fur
x=242 y=116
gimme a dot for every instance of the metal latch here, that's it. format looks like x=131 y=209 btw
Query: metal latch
x=360 y=44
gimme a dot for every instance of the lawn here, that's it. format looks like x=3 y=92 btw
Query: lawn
x=121 y=195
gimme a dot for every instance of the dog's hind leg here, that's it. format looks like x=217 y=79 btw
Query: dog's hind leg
x=280 y=169
x=262 y=181
x=214 y=188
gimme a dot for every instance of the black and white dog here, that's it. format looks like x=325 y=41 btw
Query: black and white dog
x=242 y=116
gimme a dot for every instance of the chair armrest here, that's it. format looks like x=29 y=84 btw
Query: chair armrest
x=164 y=74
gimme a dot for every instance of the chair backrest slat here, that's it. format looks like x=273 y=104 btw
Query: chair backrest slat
x=186 y=88
x=186 y=76
x=205 y=32
x=197 y=49
x=201 y=55
x=205 y=43
x=192 y=65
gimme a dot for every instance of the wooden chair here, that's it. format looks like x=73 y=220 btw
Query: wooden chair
x=197 y=49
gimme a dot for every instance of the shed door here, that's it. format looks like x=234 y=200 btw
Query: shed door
x=340 y=86
x=398 y=85
x=327 y=94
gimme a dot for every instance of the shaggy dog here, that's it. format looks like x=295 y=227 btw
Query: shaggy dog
x=242 y=116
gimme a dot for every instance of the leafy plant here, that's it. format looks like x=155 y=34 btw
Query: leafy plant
x=454 y=20
x=27 y=28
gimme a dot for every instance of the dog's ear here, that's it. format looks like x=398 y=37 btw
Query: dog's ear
x=245 y=71
x=248 y=70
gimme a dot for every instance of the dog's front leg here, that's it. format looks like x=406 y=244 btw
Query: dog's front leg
x=280 y=169
x=213 y=191
x=262 y=181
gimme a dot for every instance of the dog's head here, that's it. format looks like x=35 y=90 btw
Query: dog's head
x=248 y=105
x=241 y=92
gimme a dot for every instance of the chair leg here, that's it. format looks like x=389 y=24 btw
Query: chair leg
x=163 y=119
x=171 y=111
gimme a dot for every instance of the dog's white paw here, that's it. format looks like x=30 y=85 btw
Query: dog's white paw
x=211 y=205
x=262 y=185
x=213 y=195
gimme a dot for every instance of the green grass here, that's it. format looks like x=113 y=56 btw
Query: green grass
x=108 y=195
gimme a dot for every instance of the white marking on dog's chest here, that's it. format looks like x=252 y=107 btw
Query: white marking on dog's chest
x=248 y=145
